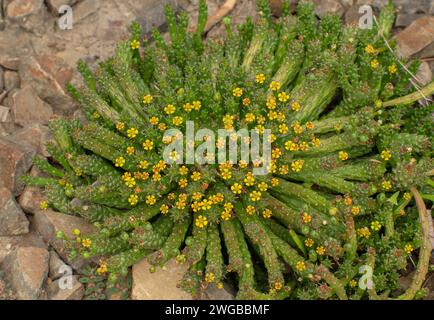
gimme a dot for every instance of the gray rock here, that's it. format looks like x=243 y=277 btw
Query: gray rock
x=54 y=5
x=34 y=136
x=48 y=222
x=27 y=269
x=5 y=114
x=29 y=109
x=405 y=19
x=75 y=292
x=84 y=9
x=324 y=7
x=148 y=286
x=424 y=74
x=15 y=160
x=416 y=37
x=11 y=80
x=28 y=14
x=12 y=219
x=56 y=265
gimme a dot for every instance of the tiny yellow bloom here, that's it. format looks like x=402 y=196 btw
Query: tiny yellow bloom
x=246 y=102
x=392 y=69
x=76 y=232
x=102 y=269
x=132 y=132
x=43 y=205
x=300 y=266
x=195 y=176
x=283 y=96
x=209 y=277
x=119 y=162
x=309 y=242
x=120 y=126
x=237 y=92
x=369 y=49
x=297 y=165
x=263 y=186
x=353 y=283
x=387 y=185
x=135 y=44
x=177 y=121
x=307 y=218
x=375 y=64
x=295 y=106
x=343 y=155
x=147 y=99
x=250 y=209
x=164 y=209
x=86 y=243
x=154 y=121
x=267 y=213
x=355 y=210
x=183 y=183
x=386 y=155
x=260 y=78
x=183 y=170
x=320 y=250
x=226 y=215
x=408 y=248
x=275 y=86
x=130 y=150
x=201 y=221
x=275 y=182
x=133 y=199
x=375 y=225
x=255 y=196
x=407 y=196
x=148 y=145
x=236 y=188
x=169 y=109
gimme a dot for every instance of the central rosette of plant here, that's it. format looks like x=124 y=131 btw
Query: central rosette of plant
x=268 y=159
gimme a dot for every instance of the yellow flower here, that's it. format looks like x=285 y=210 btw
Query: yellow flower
x=260 y=78
x=250 y=117
x=143 y=164
x=369 y=49
x=316 y=142
x=283 y=128
x=183 y=170
x=348 y=201
x=226 y=215
x=364 y=232
x=343 y=155
x=355 y=210
x=237 y=92
x=386 y=155
x=197 y=105
x=267 y=213
x=255 y=196
x=309 y=242
x=135 y=44
x=236 y=188
x=147 y=99
x=407 y=196
x=275 y=86
x=353 y=283
x=274 y=182
x=132 y=132
x=283 y=97
x=271 y=103
x=387 y=185
x=76 y=232
x=183 y=183
x=196 y=176
x=246 y=102
x=297 y=128
x=408 y=248
x=278 y=286
x=133 y=199
x=120 y=126
x=228 y=206
x=86 y=243
x=209 y=277
x=177 y=121
x=102 y=268
x=164 y=209
x=43 y=205
x=392 y=69
x=300 y=266
x=130 y=183
x=250 y=209
x=201 y=221
x=310 y=125
x=150 y=200
x=375 y=225
x=187 y=107
x=307 y=218
x=154 y=121
x=148 y=145
x=297 y=165
x=320 y=250
x=249 y=180
x=263 y=186
x=226 y=174
x=374 y=64
x=162 y=126
x=119 y=162
x=295 y=106
x=130 y=150
x=169 y=109
x=304 y=146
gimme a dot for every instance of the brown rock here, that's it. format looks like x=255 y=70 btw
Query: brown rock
x=352 y=16
x=56 y=265
x=75 y=292
x=2 y=81
x=35 y=136
x=5 y=114
x=405 y=19
x=8 y=62
x=15 y=160
x=48 y=222
x=416 y=37
x=27 y=269
x=29 y=14
x=84 y=9
x=29 y=109
x=149 y=286
x=54 y=5
x=46 y=84
x=424 y=74
x=324 y=7
x=31 y=198
x=7 y=245
x=12 y=219
x=11 y=80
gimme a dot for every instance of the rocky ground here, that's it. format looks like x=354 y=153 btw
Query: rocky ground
x=37 y=59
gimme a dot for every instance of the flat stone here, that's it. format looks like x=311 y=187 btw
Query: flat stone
x=160 y=285
x=15 y=160
x=54 y=5
x=417 y=36
x=405 y=19
x=13 y=221
x=8 y=62
x=27 y=269
x=5 y=114
x=324 y=7
x=47 y=86
x=56 y=266
x=424 y=74
x=29 y=109
x=29 y=14
x=84 y=9
x=75 y=292
x=34 y=136
x=48 y=222
x=7 y=245
x=11 y=80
